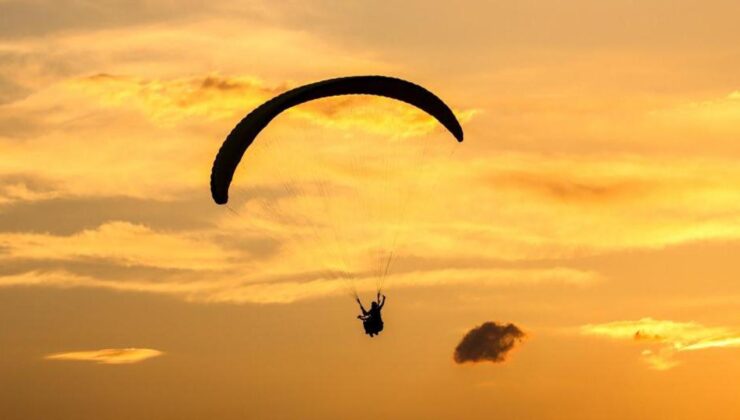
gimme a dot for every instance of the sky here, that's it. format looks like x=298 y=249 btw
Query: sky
x=594 y=205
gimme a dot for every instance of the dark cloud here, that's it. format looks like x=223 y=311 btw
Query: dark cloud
x=488 y=342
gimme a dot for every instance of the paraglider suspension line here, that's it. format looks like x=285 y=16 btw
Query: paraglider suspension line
x=232 y=210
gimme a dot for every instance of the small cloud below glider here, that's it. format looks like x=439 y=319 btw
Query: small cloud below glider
x=489 y=342
x=108 y=356
x=666 y=338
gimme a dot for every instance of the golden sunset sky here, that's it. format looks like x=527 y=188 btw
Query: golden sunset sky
x=595 y=203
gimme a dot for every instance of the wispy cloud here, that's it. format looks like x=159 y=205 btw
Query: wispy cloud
x=231 y=288
x=121 y=243
x=666 y=338
x=566 y=205
x=287 y=292
x=169 y=101
x=716 y=116
x=108 y=356
x=65 y=280
x=22 y=187
x=522 y=208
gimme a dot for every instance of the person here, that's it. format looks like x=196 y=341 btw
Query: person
x=371 y=320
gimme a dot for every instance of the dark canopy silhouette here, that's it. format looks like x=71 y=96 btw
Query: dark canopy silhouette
x=242 y=136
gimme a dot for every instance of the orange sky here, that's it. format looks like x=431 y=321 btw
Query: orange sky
x=595 y=203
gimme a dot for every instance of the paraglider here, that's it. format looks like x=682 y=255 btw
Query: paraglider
x=242 y=136
x=371 y=320
x=245 y=132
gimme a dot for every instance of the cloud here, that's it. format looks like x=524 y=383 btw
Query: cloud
x=667 y=338
x=108 y=356
x=154 y=118
x=638 y=204
x=168 y=102
x=324 y=286
x=64 y=280
x=42 y=17
x=76 y=213
x=118 y=166
x=574 y=188
x=489 y=342
x=715 y=115
x=180 y=92
x=468 y=38
x=563 y=206
x=262 y=287
x=9 y=91
x=25 y=187
x=121 y=243
x=219 y=97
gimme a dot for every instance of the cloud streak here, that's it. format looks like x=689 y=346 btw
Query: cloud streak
x=666 y=338
x=224 y=287
x=121 y=243
x=124 y=356
x=217 y=97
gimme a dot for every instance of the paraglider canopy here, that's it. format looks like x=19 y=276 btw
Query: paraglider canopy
x=242 y=136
